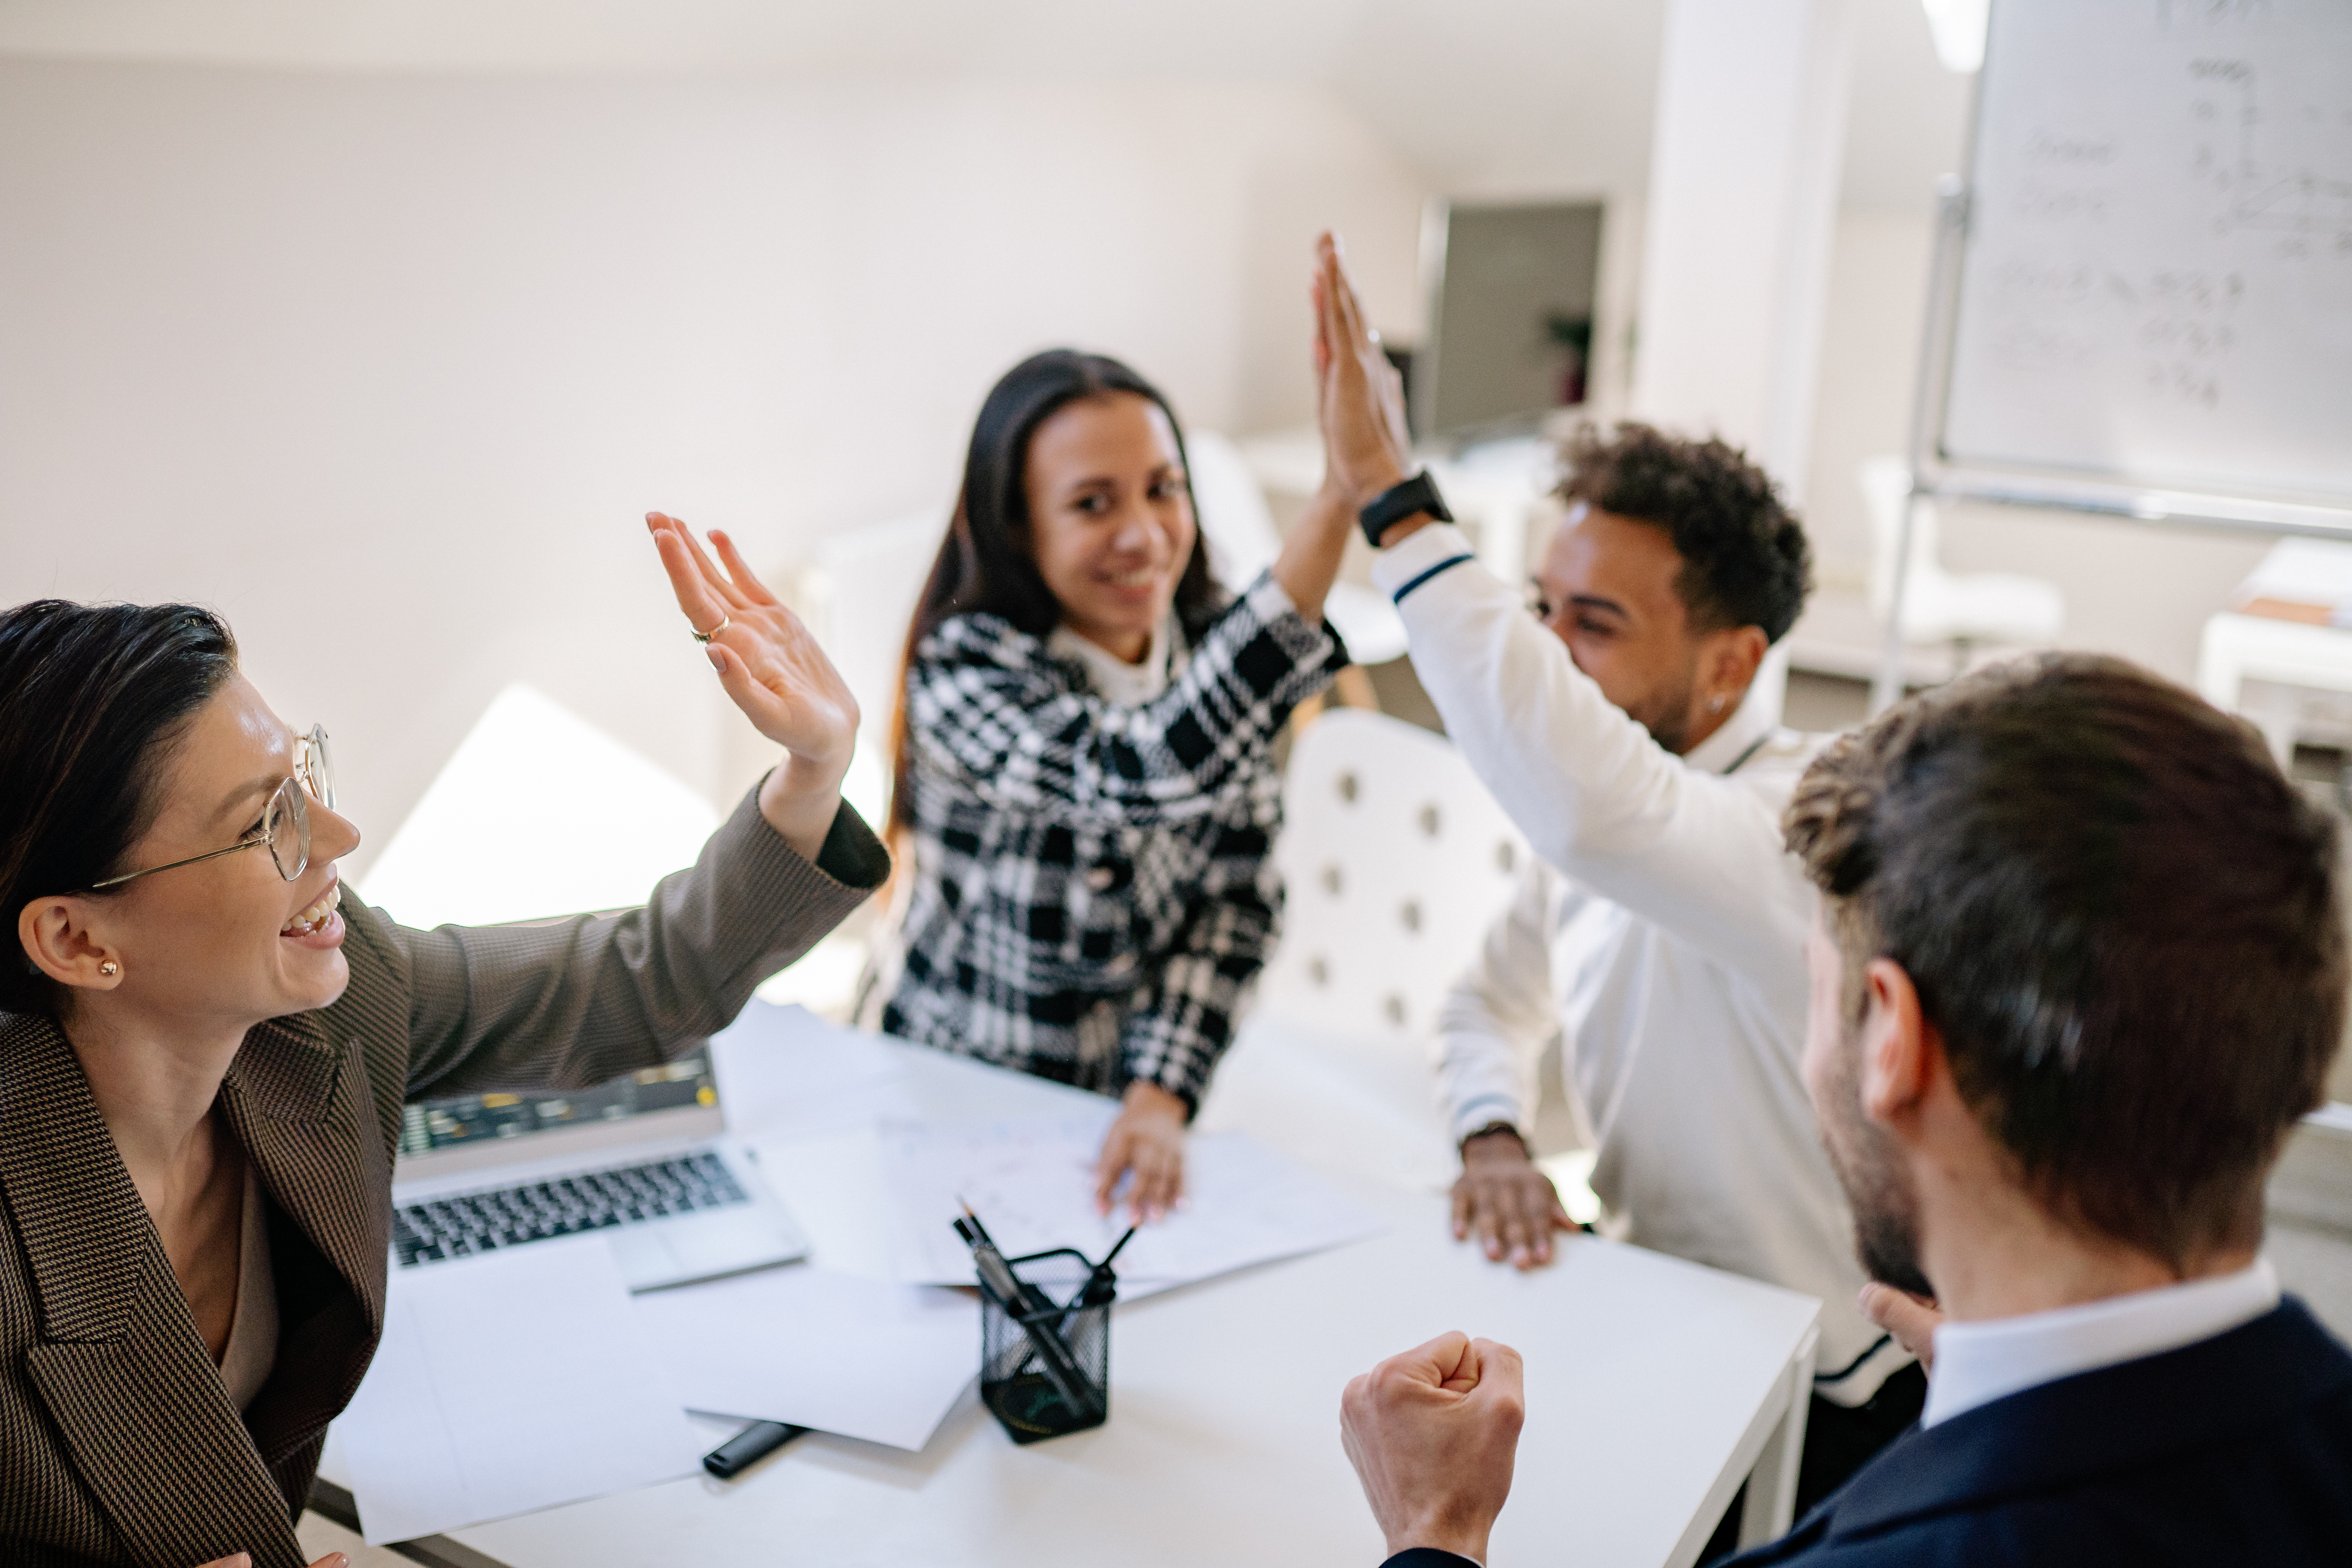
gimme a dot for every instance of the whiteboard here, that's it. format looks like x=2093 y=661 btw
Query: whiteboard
x=2156 y=284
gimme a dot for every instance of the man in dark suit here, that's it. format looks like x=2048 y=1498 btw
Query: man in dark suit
x=2079 y=968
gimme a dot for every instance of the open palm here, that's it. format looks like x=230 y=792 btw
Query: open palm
x=770 y=664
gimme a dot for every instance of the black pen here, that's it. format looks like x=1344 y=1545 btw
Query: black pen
x=1019 y=1298
x=1102 y=1283
x=748 y=1447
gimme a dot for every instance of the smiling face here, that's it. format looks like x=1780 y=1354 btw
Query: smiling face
x=227 y=941
x=1607 y=588
x=1110 y=517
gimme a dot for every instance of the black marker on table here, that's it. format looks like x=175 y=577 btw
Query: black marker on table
x=748 y=1447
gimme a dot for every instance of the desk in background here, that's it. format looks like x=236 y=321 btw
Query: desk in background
x=1653 y=1388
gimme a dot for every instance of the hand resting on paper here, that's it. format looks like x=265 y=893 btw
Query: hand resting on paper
x=1144 y=1148
x=1434 y=1434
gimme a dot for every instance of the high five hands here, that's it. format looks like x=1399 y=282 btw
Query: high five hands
x=1359 y=395
x=774 y=671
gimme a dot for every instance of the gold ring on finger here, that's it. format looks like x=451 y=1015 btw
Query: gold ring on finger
x=724 y=622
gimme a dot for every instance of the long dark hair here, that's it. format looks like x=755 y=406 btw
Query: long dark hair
x=91 y=697
x=987 y=562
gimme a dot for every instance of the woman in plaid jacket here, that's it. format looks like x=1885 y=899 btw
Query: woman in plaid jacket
x=1085 y=792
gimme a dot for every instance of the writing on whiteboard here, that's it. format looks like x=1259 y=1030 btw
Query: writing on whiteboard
x=2156 y=279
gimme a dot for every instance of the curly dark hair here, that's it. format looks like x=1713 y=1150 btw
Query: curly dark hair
x=1746 y=561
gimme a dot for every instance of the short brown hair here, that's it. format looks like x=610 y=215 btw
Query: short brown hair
x=2119 y=914
x=1746 y=561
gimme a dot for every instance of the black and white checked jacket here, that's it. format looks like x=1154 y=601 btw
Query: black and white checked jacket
x=1089 y=889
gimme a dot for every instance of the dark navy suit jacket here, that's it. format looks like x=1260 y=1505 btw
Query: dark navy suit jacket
x=2234 y=1449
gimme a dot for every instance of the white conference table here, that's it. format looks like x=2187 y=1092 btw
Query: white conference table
x=1653 y=1388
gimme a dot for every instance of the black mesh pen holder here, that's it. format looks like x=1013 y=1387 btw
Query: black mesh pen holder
x=1045 y=1361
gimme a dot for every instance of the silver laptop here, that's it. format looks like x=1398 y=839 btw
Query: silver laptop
x=644 y=1159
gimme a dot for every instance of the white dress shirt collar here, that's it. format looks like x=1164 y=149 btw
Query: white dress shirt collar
x=1978 y=1362
x=1117 y=681
x=1739 y=736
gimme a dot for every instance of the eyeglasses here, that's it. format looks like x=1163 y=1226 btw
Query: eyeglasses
x=285 y=824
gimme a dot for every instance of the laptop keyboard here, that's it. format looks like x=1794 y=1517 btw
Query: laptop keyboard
x=536 y=1210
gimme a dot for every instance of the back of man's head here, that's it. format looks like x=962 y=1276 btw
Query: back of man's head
x=2120 y=917
x=1746 y=560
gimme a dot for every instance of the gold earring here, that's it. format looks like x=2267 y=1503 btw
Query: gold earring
x=109 y=969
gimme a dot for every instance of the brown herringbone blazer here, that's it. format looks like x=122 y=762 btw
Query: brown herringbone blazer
x=118 y=1443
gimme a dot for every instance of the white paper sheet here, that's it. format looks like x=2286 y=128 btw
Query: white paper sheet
x=1032 y=1185
x=505 y=1383
x=838 y=1189
x=863 y=1358
x=786 y=1074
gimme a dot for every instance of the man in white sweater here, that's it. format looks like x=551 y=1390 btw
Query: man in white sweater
x=1661 y=941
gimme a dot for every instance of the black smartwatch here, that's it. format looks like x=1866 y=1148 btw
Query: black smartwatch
x=1398 y=501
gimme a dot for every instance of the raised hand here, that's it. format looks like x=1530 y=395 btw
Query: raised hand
x=1359 y=398
x=1433 y=1434
x=774 y=671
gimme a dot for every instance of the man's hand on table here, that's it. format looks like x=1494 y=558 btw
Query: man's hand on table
x=1434 y=1434
x=1507 y=1200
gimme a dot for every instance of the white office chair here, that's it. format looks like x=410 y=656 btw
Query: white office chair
x=1239 y=528
x=1396 y=861
x=2306 y=666
x=1962 y=610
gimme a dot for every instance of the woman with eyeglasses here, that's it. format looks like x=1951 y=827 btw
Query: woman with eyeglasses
x=1085 y=792
x=204 y=1047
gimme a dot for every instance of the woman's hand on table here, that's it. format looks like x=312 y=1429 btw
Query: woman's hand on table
x=775 y=672
x=1507 y=1201
x=1146 y=1145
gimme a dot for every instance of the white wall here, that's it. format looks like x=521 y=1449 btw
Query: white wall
x=388 y=368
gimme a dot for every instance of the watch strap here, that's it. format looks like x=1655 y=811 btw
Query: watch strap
x=1402 y=501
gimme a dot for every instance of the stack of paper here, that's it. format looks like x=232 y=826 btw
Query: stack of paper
x=861 y=1358
x=506 y=1383
x=1032 y=1183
